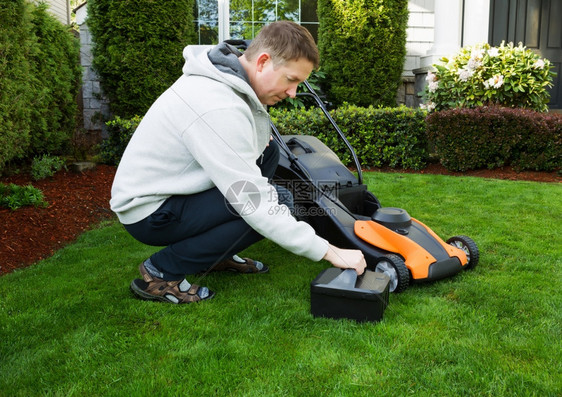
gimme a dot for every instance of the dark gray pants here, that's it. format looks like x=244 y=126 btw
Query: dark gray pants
x=198 y=230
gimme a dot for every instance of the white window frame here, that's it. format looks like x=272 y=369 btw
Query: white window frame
x=224 y=20
x=223 y=9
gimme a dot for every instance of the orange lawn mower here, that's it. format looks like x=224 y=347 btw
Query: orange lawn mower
x=337 y=204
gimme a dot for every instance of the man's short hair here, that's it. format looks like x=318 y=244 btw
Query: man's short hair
x=284 y=41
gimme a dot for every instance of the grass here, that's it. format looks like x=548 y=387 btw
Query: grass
x=69 y=326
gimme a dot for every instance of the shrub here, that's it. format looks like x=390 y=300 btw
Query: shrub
x=13 y=196
x=392 y=137
x=16 y=80
x=120 y=132
x=56 y=66
x=138 y=48
x=483 y=75
x=362 y=49
x=39 y=80
x=490 y=137
x=46 y=166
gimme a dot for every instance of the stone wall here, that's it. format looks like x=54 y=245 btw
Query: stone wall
x=407 y=94
x=96 y=107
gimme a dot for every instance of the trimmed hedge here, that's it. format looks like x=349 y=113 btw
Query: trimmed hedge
x=362 y=49
x=490 y=137
x=39 y=81
x=392 y=137
x=463 y=139
x=138 y=48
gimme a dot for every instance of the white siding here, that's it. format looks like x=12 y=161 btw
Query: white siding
x=419 y=34
x=60 y=9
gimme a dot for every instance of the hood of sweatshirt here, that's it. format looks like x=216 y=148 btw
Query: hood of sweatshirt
x=225 y=58
x=220 y=63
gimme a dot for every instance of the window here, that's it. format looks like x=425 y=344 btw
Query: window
x=246 y=17
x=207 y=23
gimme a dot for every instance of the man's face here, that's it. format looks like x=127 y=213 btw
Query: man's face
x=275 y=83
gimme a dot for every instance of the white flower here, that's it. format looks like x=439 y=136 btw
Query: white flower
x=474 y=63
x=498 y=80
x=476 y=57
x=495 y=81
x=493 y=52
x=433 y=85
x=477 y=53
x=429 y=106
x=539 y=64
x=465 y=73
x=430 y=78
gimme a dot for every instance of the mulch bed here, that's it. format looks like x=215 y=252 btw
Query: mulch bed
x=76 y=202
x=79 y=200
x=497 y=173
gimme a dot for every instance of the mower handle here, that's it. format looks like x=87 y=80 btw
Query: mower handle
x=319 y=102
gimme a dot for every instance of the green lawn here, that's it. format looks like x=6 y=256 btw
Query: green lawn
x=70 y=327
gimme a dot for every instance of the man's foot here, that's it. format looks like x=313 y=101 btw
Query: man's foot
x=177 y=291
x=239 y=265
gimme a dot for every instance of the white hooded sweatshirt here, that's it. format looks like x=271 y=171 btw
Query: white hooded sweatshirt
x=208 y=129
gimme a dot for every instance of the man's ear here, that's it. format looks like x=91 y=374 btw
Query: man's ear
x=262 y=60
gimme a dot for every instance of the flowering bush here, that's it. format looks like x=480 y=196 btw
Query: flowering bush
x=482 y=75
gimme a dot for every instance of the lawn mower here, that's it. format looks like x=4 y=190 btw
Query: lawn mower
x=337 y=204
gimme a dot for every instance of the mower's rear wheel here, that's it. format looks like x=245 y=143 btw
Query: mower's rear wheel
x=395 y=268
x=469 y=247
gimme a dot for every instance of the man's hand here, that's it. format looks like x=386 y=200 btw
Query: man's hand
x=346 y=259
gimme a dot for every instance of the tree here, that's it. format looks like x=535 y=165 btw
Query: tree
x=362 y=47
x=138 y=48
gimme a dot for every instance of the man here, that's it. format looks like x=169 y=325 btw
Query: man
x=207 y=137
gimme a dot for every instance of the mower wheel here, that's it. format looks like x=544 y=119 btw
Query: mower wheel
x=469 y=247
x=394 y=267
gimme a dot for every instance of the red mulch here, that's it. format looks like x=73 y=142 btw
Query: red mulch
x=76 y=202
x=79 y=200
x=497 y=173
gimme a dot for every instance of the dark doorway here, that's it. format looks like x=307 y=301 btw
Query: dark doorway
x=538 y=25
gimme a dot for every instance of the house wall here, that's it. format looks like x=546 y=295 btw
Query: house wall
x=419 y=40
x=95 y=105
x=60 y=9
x=419 y=34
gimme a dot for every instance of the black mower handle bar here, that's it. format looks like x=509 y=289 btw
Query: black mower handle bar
x=314 y=95
x=319 y=102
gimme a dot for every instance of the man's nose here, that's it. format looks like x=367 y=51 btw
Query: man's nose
x=292 y=91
